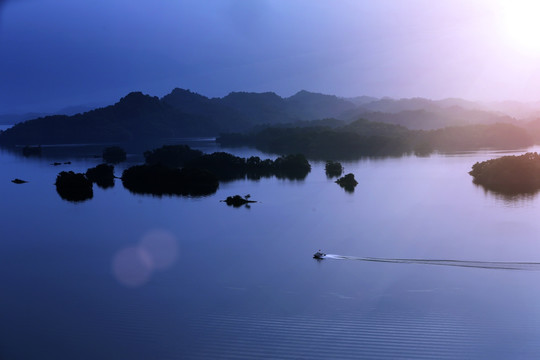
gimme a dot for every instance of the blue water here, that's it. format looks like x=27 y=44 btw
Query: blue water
x=127 y=276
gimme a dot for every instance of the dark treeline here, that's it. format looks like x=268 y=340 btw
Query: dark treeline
x=171 y=155
x=180 y=170
x=364 y=138
x=319 y=143
x=472 y=137
x=509 y=174
x=229 y=167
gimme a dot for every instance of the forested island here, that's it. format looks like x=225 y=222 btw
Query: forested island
x=509 y=174
x=180 y=170
x=365 y=138
x=200 y=175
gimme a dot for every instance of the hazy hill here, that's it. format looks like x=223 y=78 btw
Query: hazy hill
x=519 y=110
x=433 y=119
x=388 y=105
x=260 y=108
x=224 y=118
x=135 y=117
x=370 y=128
x=464 y=104
x=184 y=113
x=270 y=108
x=515 y=109
x=11 y=119
x=361 y=100
x=179 y=114
x=307 y=105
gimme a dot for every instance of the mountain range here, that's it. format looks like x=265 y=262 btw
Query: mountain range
x=183 y=113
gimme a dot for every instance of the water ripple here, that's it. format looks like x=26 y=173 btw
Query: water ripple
x=395 y=336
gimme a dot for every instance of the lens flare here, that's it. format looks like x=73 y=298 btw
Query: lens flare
x=131 y=267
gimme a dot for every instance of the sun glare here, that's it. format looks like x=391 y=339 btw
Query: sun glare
x=522 y=26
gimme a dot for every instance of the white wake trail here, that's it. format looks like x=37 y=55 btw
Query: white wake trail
x=500 y=265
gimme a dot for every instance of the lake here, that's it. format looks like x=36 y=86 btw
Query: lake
x=124 y=276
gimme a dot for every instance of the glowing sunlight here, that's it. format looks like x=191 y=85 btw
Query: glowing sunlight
x=521 y=25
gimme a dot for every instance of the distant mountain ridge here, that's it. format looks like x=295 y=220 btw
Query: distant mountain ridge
x=183 y=113
x=11 y=119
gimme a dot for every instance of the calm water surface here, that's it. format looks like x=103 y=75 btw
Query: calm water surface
x=125 y=276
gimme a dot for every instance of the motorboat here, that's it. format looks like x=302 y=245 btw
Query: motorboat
x=319 y=255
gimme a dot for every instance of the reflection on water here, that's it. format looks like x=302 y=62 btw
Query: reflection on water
x=509 y=197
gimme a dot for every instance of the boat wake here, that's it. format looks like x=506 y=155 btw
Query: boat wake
x=499 y=265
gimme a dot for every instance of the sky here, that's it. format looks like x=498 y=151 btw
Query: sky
x=57 y=53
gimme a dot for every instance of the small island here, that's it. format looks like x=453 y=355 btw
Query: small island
x=78 y=187
x=74 y=187
x=237 y=200
x=180 y=170
x=509 y=174
x=348 y=182
x=333 y=169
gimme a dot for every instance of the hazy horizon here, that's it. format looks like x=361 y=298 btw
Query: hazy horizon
x=59 y=53
x=83 y=107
